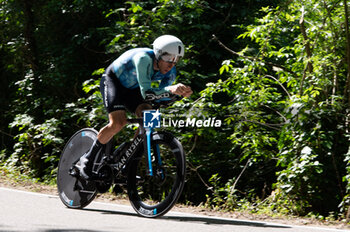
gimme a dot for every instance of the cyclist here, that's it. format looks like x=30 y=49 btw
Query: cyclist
x=125 y=83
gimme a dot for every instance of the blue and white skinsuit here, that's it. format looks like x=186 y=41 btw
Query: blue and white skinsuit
x=126 y=80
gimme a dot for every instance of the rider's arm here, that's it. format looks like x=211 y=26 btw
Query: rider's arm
x=168 y=80
x=144 y=71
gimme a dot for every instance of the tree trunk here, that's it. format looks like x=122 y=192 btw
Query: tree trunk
x=309 y=66
x=33 y=65
x=29 y=28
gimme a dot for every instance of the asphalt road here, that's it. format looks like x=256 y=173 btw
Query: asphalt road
x=25 y=211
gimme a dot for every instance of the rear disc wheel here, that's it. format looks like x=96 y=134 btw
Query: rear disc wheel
x=74 y=191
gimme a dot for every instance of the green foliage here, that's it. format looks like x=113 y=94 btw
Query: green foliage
x=29 y=151
x=45 y=59
x=282 y=94
x=289 y=104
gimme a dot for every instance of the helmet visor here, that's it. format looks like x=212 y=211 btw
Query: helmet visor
x=170 y=58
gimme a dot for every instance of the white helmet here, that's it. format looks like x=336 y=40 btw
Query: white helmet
x=168 y=45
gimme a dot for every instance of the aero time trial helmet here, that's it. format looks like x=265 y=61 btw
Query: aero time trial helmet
x=168 y=48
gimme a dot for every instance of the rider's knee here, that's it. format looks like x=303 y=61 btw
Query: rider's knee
x=116 y=126
x=117 y=120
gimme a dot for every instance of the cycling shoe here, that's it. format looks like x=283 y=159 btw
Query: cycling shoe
x=85 y=167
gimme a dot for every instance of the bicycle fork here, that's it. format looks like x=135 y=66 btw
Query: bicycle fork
x=148 y=152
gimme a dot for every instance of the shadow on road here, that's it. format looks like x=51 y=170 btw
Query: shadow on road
x=223 y=221
x=55 y=230
x=69 y=230
x=199 y=219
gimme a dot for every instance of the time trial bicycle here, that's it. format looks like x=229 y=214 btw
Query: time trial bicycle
x=152 y=167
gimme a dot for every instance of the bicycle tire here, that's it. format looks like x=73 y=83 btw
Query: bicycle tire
x=75 y=192
x=154 y=196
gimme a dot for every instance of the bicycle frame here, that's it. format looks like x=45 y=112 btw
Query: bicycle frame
x=148 y=153
x=154 y=182
x=144 y=137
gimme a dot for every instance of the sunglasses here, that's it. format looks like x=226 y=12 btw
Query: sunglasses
x=170 y=58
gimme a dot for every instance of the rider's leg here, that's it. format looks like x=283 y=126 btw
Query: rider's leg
x=138 y=112
x=117 y=121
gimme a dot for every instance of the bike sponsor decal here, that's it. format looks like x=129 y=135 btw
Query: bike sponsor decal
x=147 y=211
x=131 y=150
x=66 y=199
x=88 y=134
